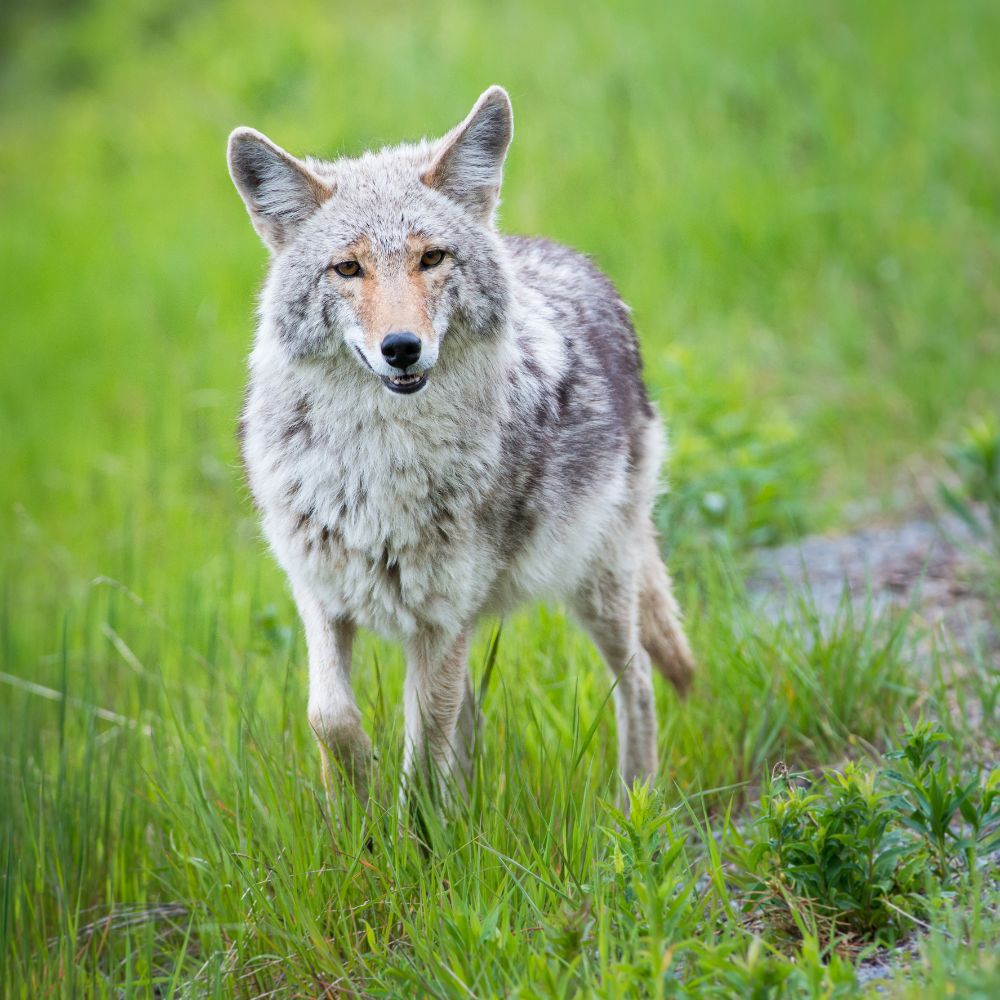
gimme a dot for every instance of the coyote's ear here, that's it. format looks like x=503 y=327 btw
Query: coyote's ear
x=280 y=191
x=469 y=163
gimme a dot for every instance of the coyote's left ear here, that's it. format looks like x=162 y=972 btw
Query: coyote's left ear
x=468 y=166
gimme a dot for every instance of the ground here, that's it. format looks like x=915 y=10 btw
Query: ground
x=930 y=567
x=933 y=571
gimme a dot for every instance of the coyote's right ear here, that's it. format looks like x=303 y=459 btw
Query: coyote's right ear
x=280 y=191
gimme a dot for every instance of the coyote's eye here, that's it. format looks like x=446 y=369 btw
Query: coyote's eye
x=348 y=268
x=431 y=258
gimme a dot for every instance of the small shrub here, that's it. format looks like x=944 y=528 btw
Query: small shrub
x=857 y=853
x=957 y=819
x=832 y=853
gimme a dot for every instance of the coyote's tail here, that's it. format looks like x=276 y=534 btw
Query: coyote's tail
x=660 y=628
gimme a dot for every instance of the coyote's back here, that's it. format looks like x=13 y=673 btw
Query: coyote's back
x=442 y=423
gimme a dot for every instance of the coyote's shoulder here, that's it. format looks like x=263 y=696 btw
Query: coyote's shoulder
x=442 y=422
x=584 y=311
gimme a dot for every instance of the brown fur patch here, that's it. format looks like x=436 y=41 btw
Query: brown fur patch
x=394 y=294
x=322 y=191
x=299 y=424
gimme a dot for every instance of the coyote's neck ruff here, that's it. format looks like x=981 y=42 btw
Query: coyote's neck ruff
x=441 y=423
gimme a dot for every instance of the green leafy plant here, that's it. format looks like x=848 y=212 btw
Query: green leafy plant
x=759 y=971
x=646 y=869
x=957 y=818
x=832 y=853
x=858 y=852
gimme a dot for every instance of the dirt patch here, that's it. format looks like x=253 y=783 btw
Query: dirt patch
x=935 y=566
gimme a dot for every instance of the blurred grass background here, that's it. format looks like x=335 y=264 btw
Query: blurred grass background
x=801 y=203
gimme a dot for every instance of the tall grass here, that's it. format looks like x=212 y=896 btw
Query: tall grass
x=164 y=818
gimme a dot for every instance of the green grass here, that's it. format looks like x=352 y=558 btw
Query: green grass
x=801 y=204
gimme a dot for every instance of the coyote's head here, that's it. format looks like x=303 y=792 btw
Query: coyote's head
x=387 y=255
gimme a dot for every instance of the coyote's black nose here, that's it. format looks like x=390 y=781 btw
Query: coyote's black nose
x=401 y=349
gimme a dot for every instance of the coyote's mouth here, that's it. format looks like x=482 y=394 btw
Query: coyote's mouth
x=404 y=383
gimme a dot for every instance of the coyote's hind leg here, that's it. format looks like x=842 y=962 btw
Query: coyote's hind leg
x=608 y=607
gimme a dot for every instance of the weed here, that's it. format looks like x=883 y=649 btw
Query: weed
x=957 y=818
x=830 y=853
x=858 y=852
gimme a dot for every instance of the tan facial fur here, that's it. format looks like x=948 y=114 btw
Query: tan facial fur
x=394 y=293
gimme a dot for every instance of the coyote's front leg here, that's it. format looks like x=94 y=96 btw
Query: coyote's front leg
x=333 y=712
x=438 y=731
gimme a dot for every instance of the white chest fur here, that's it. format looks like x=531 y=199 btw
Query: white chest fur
x=375 y=514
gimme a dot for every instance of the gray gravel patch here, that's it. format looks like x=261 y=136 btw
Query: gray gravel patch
x=935 y=567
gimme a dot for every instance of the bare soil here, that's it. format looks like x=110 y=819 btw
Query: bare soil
x=934 y=567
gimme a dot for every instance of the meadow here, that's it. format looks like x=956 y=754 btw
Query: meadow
x=801 y=204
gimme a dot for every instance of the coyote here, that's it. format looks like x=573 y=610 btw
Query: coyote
x=441 y=423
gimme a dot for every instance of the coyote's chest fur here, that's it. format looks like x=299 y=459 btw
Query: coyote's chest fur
x=383 y=519
x=493 y=490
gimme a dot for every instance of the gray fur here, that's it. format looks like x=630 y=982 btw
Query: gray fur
x=525 y=467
